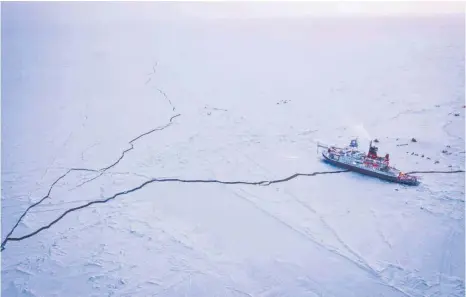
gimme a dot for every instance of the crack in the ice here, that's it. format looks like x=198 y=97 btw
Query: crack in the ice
x=158 y=89
x=100 y=171
x=154 y=180
x=103 y=170
x=82 y=153
x=129 y=174
x=436 y=171
x=140 y=136
x=261 y=183
x=379 y=232
x=40 y=201
x=166 y=97
x=153 y=69
x=409 y=111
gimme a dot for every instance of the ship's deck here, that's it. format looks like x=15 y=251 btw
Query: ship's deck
x=358 y=159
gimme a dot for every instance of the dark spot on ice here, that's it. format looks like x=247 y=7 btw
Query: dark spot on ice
x=412 y=154
x=457 y=114
x=376 y=140
x=413 y=139
x=422 y=156
x=396 y=190
x=436 y=162
x=448 y=146
x=428 y=158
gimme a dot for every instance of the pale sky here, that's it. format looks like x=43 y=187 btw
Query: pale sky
x=319 y=8
x=120 y=11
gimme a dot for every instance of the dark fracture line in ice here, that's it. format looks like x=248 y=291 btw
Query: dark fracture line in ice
x=155 y=180
x=166 y=97
x=140 y=136
x=435 y=171
x=158 y=89
x=153 y=69
x=101 y=172
x=40 y=201
x=261 y=183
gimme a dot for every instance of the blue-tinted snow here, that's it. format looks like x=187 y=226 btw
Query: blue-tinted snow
x=254 y=97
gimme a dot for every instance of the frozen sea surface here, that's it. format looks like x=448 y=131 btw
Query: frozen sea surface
x=253 y=97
